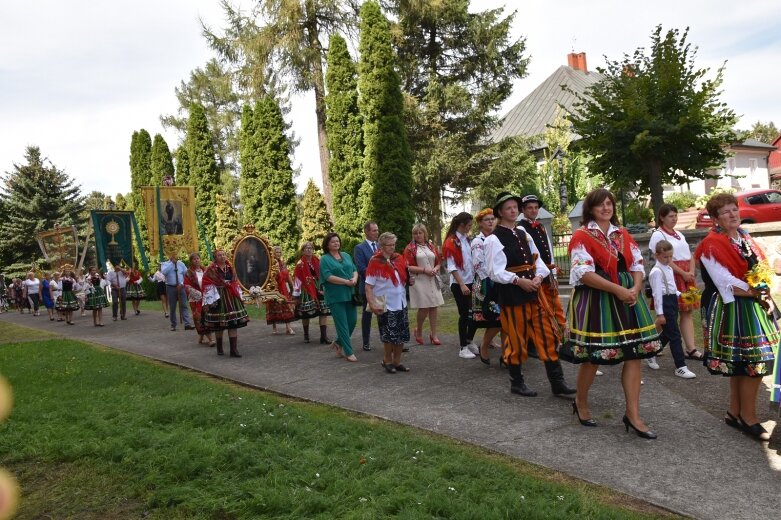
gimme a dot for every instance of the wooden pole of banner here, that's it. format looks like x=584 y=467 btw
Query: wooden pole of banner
x=86 y=244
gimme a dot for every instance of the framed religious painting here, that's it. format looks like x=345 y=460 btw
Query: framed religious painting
x=253 y=262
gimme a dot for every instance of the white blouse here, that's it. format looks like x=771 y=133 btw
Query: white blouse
x=582 y=262
x=723 y=279
x=681 y=249
x=395 y=295
x=497 y=260
x=661 y=279
x=468 y=272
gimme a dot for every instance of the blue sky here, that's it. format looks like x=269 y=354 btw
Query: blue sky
x=77 y=77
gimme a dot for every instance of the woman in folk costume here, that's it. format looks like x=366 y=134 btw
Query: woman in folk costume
x=457 y=254
x=485 y=311
x=386 y=281
x=96 y=295
x=609 y=320
x=308 y=294
x=222 y=305
x=67 y=303
x=135 y=291
x=281 y=311
x=425 y=295
x=193 y=287
x=741 y=337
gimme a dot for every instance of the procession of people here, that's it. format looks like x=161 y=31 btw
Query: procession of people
x=504 y=281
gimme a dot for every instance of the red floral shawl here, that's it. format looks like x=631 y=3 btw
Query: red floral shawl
x=604 y=250
x=191 y=279
x=215 y=276
x=309 y=275
x=411 y=252
x=451 y=248
x=381 y=267
x=719 y=247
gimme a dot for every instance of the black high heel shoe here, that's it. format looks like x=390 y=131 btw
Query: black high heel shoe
x=732 y=421
x=583 y=422
x=648 y=434
x=486 y=360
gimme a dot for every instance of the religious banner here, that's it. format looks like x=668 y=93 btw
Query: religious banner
x=170 y=218
x=114 y=237
x=59 y=245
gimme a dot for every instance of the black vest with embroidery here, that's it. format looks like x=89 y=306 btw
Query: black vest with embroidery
x=518 y=253
x=540 y=237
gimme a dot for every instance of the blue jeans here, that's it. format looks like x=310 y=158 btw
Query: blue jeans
x=178 y=296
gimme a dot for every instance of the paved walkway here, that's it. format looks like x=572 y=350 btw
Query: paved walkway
x=686 y=470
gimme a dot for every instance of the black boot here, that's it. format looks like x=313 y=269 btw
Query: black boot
x=220 y=352
x=517 y=385
x=234 y=350
x=556 y=378
x=306 y=333
x=324 y=336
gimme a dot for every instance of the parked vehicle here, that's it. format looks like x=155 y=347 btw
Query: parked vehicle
x=755 y=206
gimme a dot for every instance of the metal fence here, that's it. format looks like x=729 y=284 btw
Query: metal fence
x=560 y=256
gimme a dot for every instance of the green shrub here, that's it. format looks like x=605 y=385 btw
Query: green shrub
x=561 y=225
x=636 y=213
x=682 y=201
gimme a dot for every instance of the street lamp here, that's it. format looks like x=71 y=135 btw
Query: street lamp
x=559 y=155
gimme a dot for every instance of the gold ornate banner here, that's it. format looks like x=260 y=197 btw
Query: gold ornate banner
x=170 y=219
x=59 y=245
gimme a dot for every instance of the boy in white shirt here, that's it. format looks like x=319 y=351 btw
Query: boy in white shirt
x=665 y=297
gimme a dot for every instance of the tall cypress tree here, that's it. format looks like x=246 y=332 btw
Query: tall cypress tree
x=315 y=221
x=345 y=139
x=203 y=169
x=277 y=218
x=387 y=161
x=182 y=167
x=35 y=196
x=250 y=188
x=161 y=162
x=140 y=175
x=227 y=223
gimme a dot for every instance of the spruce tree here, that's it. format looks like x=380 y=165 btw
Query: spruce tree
x=140 y=175
x=162 y=163
x=345 y=139
x=227 y=224
x=387 y=161
x=315 y=221
x=277 y=218
x=182 y=167
x=203 y=169
x=35 y=196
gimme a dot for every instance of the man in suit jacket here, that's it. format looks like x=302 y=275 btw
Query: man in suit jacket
x=362 y=253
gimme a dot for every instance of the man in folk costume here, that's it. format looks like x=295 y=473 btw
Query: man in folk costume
x=530 y=207
x=515 y=265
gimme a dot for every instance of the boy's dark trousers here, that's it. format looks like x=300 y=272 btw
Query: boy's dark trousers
x=671 y=333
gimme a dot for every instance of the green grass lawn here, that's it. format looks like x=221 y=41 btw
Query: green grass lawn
x=99 y=434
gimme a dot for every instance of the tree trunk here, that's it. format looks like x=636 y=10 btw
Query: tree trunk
x=435 y=220
x=655 y=184
x=319 y=86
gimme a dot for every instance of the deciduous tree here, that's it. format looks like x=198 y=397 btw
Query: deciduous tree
x=655 y=118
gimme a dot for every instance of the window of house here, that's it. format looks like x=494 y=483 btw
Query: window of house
x=752 y=165
x=730 y=166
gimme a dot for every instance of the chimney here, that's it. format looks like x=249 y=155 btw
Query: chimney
x=577 y=60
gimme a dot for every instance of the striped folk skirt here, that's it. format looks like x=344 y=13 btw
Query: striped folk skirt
x=134 y=291
x=484 y=312
x=96 y=299
x=226 y=313
x=740 y=338
x=605 y=331
x=67 y=302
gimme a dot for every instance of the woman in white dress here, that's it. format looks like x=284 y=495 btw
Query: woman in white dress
x=685 y=272
x=426 y=294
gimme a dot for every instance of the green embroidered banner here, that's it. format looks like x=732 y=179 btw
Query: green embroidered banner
x=113 y=236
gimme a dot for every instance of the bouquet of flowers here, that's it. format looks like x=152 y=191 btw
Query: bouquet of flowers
x=256 y=293
x=760 y=277
x=691 y=296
